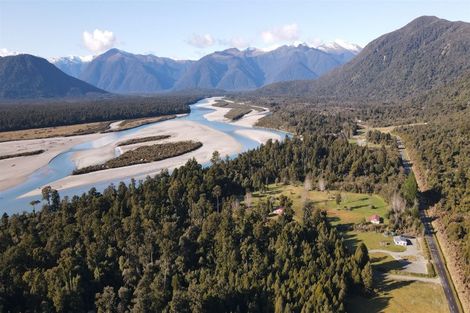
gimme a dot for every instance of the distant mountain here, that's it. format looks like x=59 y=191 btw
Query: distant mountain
x=122 y=72
x=343 y=51
x=426 y=53
x=72 y=65
x=27 y=76
x=231 y=69
x=234 y=70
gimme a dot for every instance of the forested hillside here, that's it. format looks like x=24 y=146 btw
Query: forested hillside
x=442 y=149
x=426 y=53
x=27 y=76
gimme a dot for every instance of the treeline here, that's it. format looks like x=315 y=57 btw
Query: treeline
x=184 y=243
x=377 y=137
x=442 y=148
x=47 y=113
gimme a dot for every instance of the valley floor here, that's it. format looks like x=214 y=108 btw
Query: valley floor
x=104 y=146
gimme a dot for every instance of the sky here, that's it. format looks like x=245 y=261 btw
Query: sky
x=192 y=28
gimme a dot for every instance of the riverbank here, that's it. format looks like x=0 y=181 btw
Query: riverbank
x=205 y=124
x=178 y=130
x=17 y=170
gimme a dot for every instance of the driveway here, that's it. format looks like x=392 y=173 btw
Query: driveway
x=412 y=260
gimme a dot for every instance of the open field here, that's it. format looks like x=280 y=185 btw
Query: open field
x=361 y=206
x=401 y=296
x=373 y=241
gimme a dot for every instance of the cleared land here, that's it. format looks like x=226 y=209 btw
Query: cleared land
x=144 y=154
x=401 y=296
x=353 y=208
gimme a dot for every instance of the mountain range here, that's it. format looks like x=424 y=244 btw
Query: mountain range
x=232 y=69
x=28 y=76
x=426 y=53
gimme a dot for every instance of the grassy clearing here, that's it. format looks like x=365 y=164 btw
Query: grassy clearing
x=372 y=240
x=353 y=208
x=401 y=296
x=362 y=206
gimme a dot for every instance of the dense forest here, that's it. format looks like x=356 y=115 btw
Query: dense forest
x=37 y=114
x=183 y=242
x=442 y=148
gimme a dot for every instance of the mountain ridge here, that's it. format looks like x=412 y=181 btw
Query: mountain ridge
x=28 y=76
x=231 y=69
x=426 y=53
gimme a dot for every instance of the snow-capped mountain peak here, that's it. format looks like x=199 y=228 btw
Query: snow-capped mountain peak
x=339 y=46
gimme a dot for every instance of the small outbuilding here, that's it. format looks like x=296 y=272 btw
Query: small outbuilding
x=278 y=211
x=375 y=219
x=400 y=241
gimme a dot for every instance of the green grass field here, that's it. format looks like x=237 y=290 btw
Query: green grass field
x=361 y=206
x=401 y=296
x=372 y=240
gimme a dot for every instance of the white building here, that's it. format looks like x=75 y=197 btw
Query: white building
x=400 y=241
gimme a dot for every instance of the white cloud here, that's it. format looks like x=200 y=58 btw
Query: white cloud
x=99 y=40
x=235 y=42
x=5 y=52
x=287 y=33
x=201 y=41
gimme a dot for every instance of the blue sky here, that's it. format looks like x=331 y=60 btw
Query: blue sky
x=190 y=29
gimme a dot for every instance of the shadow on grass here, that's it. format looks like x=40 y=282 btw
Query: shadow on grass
x=359 y=206
x=394 y=265
x=378 y=302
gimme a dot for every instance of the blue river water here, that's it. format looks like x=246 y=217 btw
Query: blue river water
x=62 y=165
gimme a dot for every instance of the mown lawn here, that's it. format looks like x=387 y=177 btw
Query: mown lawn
x=372 y=240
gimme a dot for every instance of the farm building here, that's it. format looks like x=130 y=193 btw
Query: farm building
x=400 y=241
x=375 y=219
